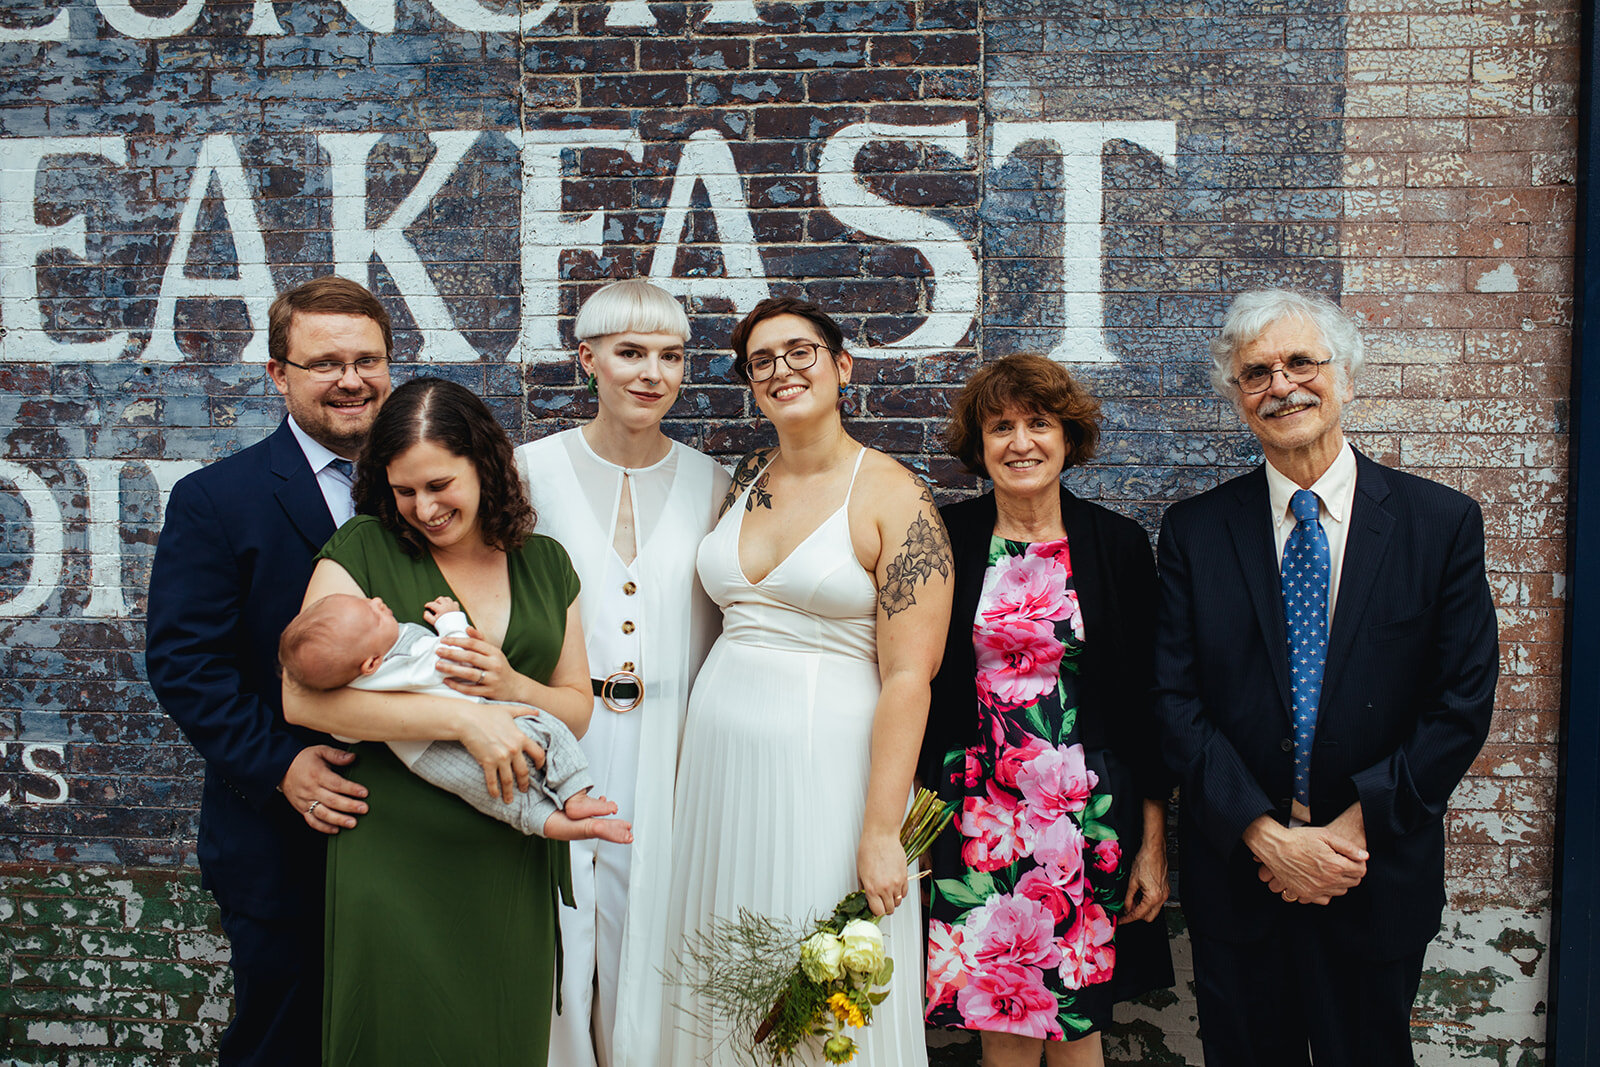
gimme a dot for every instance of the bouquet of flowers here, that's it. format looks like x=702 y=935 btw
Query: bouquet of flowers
x=780 y=986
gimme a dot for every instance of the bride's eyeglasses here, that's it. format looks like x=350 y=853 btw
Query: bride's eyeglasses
x=801 y=356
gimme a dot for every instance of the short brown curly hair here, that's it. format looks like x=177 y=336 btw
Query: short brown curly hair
x=452 y=417
x=1030 y=382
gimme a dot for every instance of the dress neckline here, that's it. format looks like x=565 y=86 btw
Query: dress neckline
x=738 y=526
x=618 y=467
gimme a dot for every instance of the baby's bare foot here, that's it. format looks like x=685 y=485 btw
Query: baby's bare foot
x=583 y=806
x=560 y=828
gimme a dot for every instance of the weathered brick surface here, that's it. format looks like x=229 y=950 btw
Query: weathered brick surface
x=953 y=179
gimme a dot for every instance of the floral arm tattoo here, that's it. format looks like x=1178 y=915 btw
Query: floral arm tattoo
x=746 y=473
x=926 y=550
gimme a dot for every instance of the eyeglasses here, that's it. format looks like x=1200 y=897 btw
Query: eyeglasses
x=331 y=370
x=801 y=356
x=1297 y=370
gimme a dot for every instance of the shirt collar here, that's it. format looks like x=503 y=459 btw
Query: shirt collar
x=1335 y=489
x=317 y=454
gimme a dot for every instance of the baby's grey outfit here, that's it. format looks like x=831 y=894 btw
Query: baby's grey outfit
x=409 y=667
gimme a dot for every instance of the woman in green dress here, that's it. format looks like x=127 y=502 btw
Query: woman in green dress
x=441 y=926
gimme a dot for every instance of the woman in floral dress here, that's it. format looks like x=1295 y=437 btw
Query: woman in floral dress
x=1046 y=905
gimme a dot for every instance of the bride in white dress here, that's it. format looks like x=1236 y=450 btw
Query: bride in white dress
x=833 y=574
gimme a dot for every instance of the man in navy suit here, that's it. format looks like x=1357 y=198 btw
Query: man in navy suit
x=230 y=569
x=1326 y=665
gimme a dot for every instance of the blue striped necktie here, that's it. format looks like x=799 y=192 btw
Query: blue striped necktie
x=344 y=467
x=1307 y=568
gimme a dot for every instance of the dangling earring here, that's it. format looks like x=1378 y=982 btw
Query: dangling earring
x=592 y=385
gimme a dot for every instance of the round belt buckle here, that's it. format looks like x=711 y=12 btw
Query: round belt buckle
x=619 y=704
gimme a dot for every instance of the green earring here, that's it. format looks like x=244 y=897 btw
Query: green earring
x=592 y=385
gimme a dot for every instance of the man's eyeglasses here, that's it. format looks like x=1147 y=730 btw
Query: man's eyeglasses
x=1297 y=370
x=331 y=370
x=801 y=356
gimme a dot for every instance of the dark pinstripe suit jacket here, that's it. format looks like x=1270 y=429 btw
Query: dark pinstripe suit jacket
x=1406 y=698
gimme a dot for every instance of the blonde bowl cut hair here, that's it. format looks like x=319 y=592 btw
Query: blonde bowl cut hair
x=634 y=305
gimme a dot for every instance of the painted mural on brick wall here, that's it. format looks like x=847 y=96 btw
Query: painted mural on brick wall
x=952 y=179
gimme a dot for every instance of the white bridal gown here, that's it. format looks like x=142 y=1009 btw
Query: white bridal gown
x=772 y=775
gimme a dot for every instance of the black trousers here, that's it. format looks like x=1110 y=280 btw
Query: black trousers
x=1300 y=997
x=277 y=991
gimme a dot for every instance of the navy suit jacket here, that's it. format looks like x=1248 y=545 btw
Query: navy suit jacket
x=1405 y=705
x=230 y=570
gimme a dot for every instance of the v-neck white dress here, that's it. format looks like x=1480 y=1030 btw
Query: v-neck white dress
x=772 y=776
x=648 y=616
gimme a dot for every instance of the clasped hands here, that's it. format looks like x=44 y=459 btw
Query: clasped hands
x=1310 y=864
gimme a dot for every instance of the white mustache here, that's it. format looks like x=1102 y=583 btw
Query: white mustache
x=1298 y=398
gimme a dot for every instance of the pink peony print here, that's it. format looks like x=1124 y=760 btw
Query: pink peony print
x=1107 y=854
x=1008 y=928
x=1013 y=757
x=1060 y=849
x=1037 y=885
x=1024 y=587
x=995 y=832
x=1010 y=998
x=1088 y=953
x=1056 y=551
x=1055 y=783
x=948 y=963
x=1017 y=663
x=972 y=771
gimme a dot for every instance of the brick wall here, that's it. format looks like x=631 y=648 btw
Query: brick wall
x=954 y=179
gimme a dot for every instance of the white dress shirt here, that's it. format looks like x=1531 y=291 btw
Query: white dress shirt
x=1336 y=495
x=336 y=488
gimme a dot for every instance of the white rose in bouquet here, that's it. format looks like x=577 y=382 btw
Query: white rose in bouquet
x=863 y=947
x=821 y=957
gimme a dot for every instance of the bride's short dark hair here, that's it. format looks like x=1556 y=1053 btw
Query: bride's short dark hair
x=831 y=335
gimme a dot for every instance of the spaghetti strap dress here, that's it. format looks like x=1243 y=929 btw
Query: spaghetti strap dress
x=772 y=776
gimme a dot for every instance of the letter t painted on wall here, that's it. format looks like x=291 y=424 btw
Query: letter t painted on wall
x=1080 y=146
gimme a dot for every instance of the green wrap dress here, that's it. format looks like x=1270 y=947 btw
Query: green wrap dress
x=442 y=945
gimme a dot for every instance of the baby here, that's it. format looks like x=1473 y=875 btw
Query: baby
x=345 y=640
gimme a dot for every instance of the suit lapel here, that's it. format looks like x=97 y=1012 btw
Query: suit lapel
x=297 y=490
x=1370 y=528
x=1250 y=524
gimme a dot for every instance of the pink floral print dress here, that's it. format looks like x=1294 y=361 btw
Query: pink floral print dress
x=1025 y=897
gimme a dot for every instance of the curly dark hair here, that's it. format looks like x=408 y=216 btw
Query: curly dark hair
x=1032 y=383
x=827 y=329
x=452 y=417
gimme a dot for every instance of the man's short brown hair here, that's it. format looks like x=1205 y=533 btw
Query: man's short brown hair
x=330 y=295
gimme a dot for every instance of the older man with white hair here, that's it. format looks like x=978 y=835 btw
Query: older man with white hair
x=1326 y=661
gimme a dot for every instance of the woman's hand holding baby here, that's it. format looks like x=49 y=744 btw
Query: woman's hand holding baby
x=503 y=751
x=477 y=668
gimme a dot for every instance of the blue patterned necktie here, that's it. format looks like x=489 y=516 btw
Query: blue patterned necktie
x=344 y=467
x=1306 y=570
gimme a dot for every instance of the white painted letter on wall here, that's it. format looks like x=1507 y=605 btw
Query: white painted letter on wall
x=1080 y=145
x=219 y=159
x=955 y=269
x=23 y=239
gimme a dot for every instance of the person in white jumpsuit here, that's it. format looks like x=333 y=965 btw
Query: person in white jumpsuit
x=630 y=506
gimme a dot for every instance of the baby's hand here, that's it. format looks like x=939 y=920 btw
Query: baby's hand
x=438 y=606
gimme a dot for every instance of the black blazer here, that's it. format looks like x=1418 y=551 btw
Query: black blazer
x=1405 y=704
x=230 y=569
x=1115 y=579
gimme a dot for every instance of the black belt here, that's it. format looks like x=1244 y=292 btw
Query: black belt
x=618 y=690
x=621 y=692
